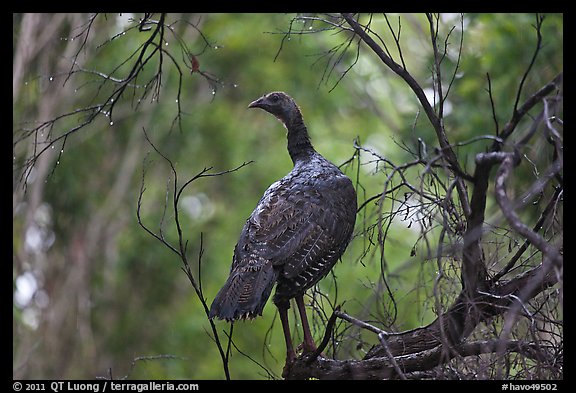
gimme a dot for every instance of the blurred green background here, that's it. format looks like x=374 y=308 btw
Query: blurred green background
x=93 y=292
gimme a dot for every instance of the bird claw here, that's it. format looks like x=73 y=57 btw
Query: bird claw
x=307 y=355
x=305 y=347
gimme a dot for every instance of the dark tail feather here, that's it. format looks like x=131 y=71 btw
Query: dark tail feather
x=244 y=294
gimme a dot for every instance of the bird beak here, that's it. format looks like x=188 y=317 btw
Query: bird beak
x=257 y=103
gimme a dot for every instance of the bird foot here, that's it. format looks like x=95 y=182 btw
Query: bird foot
x=308 y=348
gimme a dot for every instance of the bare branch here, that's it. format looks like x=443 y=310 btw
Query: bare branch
x=383 y=368
x=492 y=105
x=152 y=50
x=327 y=334
x=543 y=217
x=428 y=109
x=437 y=76
x=532 y=101
x=180 y=249
x=139 y=359
x=396 y=37
x=538 y=27
x=549 y=251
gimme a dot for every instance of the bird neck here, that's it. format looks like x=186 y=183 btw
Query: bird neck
x=299 y=145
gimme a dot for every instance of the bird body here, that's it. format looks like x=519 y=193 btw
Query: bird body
x=297 y=231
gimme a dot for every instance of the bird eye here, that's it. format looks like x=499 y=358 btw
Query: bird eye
x=274 y=97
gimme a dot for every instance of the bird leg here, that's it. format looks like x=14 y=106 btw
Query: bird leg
x=290 y=354
x=308 y=344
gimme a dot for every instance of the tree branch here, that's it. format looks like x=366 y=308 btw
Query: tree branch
x=543 y=217
x=528 y=104
x=180 y=249
x=424 y=348
x=384 y=368
x=473 y=266
x=436 y=121
x=549 y=251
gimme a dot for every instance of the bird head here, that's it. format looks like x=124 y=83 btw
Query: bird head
x=278 y=104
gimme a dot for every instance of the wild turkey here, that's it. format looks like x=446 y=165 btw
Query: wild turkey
x=294 y=236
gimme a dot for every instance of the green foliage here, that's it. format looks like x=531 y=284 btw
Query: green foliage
x=138 y=302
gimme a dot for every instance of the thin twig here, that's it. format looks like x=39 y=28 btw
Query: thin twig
x=428 y=109
x=493 y=106
x=362 y=324
x=326 y=338
x=508 y=210
x=382 y=339
x=181 y=248
x=543 y=217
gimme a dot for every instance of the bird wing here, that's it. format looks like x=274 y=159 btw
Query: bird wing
x=294 y=226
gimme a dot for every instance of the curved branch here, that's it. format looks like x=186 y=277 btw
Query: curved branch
x=180 y=249
x=549 y=251
x=425 y=347
x=436 y=121
x=384 y=368
x=543 y=217
x=472 y=264
x=528 y=104
x=149 y=50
